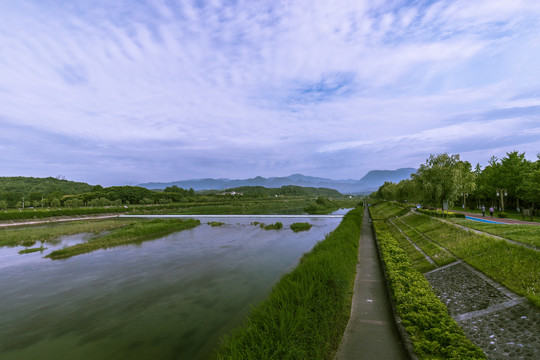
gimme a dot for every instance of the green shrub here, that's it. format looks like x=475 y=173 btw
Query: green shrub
x=304 y=226
x=435 y=335
x=502 y=215
x=278 y=225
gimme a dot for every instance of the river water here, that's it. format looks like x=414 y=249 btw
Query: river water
x=169 y=298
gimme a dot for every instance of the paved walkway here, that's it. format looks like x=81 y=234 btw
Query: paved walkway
x=371 y=332
x=497 y=219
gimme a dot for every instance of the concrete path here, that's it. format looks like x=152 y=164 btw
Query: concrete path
x=371 y=332
x=497 y=219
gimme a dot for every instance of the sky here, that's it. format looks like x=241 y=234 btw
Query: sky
x=125 y=91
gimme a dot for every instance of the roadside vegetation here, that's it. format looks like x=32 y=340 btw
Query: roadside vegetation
x=306 y=313
x=136 y=232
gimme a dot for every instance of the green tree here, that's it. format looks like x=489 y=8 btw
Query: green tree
x=465 y=178
x=530 y=186
x=439 y=178
x=511 y=173
x=3 y=204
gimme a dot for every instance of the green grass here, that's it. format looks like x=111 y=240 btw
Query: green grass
x=435 y=335
x=527 y=234
x=419 y=261
x=278 y=225
x=215 y=223
x=514 y=266
x=386 y=210
x=29 y=235
x=40 y=213
x=32 y=250
x=306 y=313
x=300 y=226
x=132 y=233
x=439 y=255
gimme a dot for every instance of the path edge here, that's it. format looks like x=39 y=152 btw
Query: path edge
x=404 y=335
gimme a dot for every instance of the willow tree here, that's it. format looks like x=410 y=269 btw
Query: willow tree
x=440 y=178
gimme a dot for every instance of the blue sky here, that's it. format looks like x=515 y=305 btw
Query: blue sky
x=119 y=92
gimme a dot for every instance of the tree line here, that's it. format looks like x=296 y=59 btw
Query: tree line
x=25 y=192
x=512 y=182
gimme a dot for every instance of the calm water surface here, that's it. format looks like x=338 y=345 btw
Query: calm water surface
x=170 y=298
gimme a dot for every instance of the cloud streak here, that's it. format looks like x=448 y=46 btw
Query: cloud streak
x=167 y=90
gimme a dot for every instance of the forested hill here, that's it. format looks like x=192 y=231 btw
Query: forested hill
x=24 y=186
x=367 y=184
x=290 y=190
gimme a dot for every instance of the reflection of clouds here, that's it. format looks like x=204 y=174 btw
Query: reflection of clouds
x=262 y=88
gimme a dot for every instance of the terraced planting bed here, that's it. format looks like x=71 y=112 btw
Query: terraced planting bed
x=492 y=291
x=526 y=234
x=439 y=255
x=514 y=266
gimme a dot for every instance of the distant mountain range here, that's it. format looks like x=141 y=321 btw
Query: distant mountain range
x=369 y=183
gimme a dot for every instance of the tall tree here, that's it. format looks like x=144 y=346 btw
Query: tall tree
x=439 y=177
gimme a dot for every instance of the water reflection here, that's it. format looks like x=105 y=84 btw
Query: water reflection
x=171 y=298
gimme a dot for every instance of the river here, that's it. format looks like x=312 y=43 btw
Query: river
x=169 y=298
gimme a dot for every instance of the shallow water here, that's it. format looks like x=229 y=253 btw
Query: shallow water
x=170 y=298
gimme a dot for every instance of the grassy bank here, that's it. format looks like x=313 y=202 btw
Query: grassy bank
x=46 y=213
x=435 y=335
x=527 y=234
x=132 y=233
x=439 y=255
x=514 y=266
x=306 y=313
x=28 y=235
x=419 y=261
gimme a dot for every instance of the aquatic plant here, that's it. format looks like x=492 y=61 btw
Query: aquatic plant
x=300 y=226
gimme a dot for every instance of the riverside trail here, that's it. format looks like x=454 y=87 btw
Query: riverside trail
x=371 y=331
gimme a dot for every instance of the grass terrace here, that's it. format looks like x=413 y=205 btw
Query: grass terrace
x=514 y=266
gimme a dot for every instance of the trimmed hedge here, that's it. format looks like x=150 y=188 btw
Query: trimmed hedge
x=433 y=332
x=436 y=213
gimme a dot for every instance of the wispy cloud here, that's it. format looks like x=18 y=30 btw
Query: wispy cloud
x=218 y=88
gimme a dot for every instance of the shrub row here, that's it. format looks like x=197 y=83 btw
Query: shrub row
x=433 y=332
x=307 y=311
x=437 y=213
